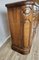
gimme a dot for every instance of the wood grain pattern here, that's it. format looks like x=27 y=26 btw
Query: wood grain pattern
x=20 y=27
x=15 y=25
x=26 y=33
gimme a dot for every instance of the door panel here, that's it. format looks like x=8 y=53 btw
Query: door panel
x=26 y=33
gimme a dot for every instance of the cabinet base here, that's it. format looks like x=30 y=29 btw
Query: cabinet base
x=20 y=50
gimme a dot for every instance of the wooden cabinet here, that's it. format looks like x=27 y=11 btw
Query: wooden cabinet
x=20 y=27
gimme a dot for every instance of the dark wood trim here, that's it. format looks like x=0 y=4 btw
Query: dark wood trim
x=20 y=50
x=18 y=4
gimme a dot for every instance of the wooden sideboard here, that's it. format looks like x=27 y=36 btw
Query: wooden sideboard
x=20 y=27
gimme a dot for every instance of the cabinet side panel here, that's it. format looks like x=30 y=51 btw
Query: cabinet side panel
x=14 y=21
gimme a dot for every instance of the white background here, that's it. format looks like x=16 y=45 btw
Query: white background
x=4 y=25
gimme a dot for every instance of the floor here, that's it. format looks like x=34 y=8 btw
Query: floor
x=6 y=53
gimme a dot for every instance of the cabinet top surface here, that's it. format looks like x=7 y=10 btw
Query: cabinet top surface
x=17 y=4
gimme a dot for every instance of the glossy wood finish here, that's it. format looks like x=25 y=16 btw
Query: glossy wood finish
x=20 y=28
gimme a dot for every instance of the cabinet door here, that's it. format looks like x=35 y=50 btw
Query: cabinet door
x=14 y=21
